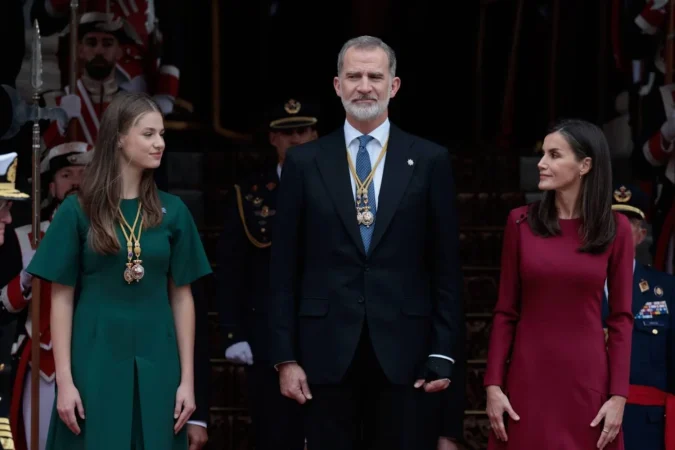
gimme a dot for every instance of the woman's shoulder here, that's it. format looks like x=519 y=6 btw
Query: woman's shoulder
x=623 y=227
x=71 y=204
x=171 y=203
x=519 y=215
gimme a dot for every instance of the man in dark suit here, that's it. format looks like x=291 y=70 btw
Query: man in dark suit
x=243 y=272
x=364 y=301
x=649 y=419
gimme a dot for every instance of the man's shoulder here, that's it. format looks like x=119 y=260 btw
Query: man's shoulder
x=658 y=276
x=423 y=145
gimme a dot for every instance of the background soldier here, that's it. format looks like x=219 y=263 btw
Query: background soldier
x=151 y=63
x=62 y=169
x=8 y=194
x=652 y=371
x=99 y=49
x=243 y=273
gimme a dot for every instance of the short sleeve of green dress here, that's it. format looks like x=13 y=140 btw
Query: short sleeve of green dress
x=188 y=260
x=57 y=258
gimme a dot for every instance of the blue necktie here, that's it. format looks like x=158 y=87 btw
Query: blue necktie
x=363 y=168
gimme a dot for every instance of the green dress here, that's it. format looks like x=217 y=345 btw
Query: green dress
x=124 y=353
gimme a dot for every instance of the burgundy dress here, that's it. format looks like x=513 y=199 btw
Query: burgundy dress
x=547 y=347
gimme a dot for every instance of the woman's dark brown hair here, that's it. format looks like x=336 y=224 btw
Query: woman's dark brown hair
x=101 y=188
x=595 y=198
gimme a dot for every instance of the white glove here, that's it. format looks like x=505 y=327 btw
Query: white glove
x=239 y=353
x=165 y=103
x=72 y=106
x=26 y=281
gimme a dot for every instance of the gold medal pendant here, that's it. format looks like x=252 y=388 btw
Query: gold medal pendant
x=128 y=275
x=368 y=218
x=134 y=270
x=364 y=216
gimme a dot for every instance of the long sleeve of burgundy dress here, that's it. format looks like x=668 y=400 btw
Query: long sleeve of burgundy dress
x=547 y=348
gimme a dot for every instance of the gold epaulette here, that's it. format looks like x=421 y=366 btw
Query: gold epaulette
x=6 y=440
x=240 y=206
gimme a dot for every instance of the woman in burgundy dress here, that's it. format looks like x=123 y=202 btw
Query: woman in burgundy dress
x=552 y=381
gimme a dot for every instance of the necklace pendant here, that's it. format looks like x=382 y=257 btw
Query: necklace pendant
x=128 y=275
x=137 y=271
x=368 y=218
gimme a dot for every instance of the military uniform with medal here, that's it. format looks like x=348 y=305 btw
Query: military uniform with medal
x=649 y=418
x=242 y=280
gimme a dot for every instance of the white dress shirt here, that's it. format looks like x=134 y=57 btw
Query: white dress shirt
x=381 y=134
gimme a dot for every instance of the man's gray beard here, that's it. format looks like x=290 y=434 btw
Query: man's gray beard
x=365 y=112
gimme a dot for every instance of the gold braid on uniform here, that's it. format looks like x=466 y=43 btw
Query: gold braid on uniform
x=240 y=205
x=6 y=440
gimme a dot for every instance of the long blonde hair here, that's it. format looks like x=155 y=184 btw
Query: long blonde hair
x=101 y=188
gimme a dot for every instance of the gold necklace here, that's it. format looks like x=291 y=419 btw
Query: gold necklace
x=363 y=214
x=134 y=270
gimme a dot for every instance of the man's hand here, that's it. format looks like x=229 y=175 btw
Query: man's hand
x=433 y=386
x=435 y=375
x=293 y=382
x=239 y=353
x=197 y=436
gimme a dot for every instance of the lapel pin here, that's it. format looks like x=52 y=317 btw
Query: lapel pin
x=644 y=286
x=658 y=291
x=410 y=162
x=163 y=210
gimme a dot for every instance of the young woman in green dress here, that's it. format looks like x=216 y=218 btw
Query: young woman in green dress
x=121 y=256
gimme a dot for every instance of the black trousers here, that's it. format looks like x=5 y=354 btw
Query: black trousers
x=277 y=420
x=366 y=412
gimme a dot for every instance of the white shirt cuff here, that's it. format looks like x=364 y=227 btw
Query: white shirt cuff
x=442 y=357
x=197 y=422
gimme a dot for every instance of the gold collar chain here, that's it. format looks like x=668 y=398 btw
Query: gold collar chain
x=363 y=214
x=134 y=270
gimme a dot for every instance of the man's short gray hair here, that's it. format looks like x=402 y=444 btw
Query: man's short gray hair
x=367 y=42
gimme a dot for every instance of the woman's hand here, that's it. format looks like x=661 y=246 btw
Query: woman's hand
x=497 y=404
x=67 y=400
x=612 y=412
x=185 y=406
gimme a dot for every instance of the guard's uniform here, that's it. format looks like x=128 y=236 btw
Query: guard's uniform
x=16 y=299
x=143 y=68
x=243 y=282
x=94 y=96
x=8 y=192
x=649 y=417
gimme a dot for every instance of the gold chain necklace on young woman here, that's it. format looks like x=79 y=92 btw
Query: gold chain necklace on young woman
x=134 y=270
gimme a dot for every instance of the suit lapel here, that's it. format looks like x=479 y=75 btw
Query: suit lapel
x=332 y=162
x=397 y=173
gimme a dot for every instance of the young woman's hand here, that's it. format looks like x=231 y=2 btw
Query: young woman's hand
x=185 y=406
x=67 y=401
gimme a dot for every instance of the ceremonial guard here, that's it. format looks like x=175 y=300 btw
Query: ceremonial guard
x=149 y=63
x=649 y=418
x=99 y=48
x=8 y=194
x=62 y=168
x=243 y=273
x=640 y=55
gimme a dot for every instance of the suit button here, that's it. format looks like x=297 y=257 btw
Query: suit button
x=253 y=309
x=367 y=269
x=362 y=300
x=655 y=331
